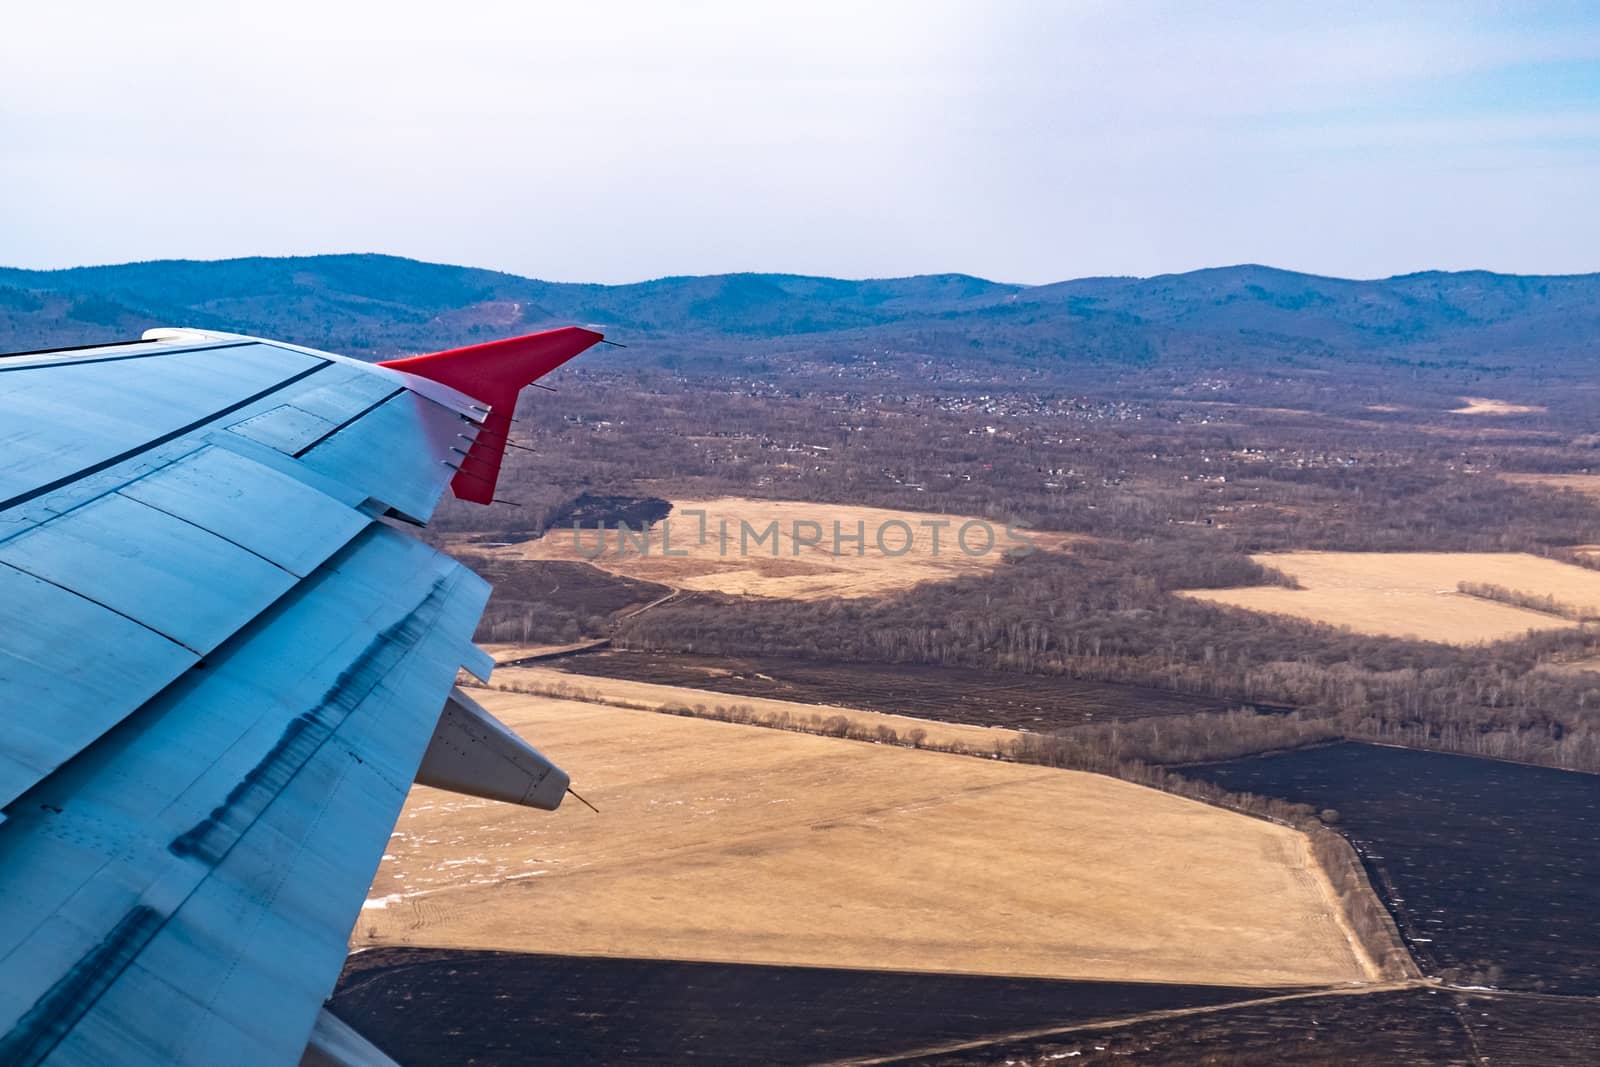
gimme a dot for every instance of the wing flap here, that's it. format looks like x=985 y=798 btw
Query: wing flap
x=65 y=419
x=175 y=578
x=212 y=851
x=179 y=560
x=165 y=533
x=286 y=427
x=344 y=394
x=399 y=453
x=76 y=667
x=277 y=517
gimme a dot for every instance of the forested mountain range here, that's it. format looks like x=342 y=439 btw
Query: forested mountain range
x=383 y=305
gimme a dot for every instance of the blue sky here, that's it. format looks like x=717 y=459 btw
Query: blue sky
x=614 y=141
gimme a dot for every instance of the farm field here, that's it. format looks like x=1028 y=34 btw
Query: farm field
x=1489 y=867
x=1587 y=484
x=563 y=584
x=722 y=557
x=549 y=604
x=1398 y=1028
x=511 y=652
x=955 y=694
x=1414 y=594
x=1483 y=405
x=611 y=1010
x=733 y=843
x=623 y=693
x=598 y=1010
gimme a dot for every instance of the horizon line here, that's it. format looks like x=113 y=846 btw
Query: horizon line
x=790 y=274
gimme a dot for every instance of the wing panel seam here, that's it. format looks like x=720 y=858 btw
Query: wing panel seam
x=106 y=464
x=202 y=848
x=166 y=351
x=353 y=419
x=97 y=603
x=219 y=536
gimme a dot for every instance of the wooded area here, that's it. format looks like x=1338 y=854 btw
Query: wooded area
x=1176 y=493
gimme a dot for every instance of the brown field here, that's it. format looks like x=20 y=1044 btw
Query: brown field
x=785 y=566
x=948 y=694
x=1587 y=484
x=733 y=843
x=1413 y=594
x=1576 y=666
x=651 y=696
x=511 y=652
x=1482 y=405
x=1253 y=409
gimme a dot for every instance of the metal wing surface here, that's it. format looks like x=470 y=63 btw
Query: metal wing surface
x=222 y=663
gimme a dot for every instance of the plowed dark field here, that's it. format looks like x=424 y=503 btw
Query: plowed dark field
x=1405 y=1028
x=432 y=1007
x=953 y=694
x=1492 y=869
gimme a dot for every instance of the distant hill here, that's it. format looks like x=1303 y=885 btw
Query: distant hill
x=382 y=305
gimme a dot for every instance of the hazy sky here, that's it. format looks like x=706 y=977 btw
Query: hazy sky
x=614 y=141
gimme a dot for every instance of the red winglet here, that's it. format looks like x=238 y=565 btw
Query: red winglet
x=493 y=374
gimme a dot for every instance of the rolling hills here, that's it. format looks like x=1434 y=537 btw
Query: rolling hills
x=382 y=305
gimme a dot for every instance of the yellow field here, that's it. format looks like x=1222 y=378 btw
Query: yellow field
x=1587 y=484
x=1413 y=594
x=1482 y=405
x=510 y=652
x=651 y=696
x=737 y=843
x=735 y=555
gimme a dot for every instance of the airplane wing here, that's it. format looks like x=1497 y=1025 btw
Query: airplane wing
x=222 y=664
